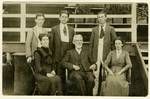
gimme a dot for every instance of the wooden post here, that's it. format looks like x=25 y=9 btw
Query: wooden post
x=23 y=78
x=23 y=22
x=134 y=24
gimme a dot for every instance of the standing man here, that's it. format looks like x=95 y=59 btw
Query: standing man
x=101 y=41
x=62 y=35
x=33 y=41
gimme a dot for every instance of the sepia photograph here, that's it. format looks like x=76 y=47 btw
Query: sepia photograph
x=75 y=48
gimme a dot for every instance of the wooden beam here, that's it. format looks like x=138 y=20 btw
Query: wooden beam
x=23 y=22
x=134 y=24
x=76 y=29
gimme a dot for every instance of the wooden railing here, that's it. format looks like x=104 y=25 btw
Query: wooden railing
x=142 y=65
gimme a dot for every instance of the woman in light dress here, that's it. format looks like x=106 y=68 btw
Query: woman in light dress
x=117 y=64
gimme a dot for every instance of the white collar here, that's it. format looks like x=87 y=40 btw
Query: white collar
x=104 y=25
x=62 y=25
x=119 y=51
x=78 y=50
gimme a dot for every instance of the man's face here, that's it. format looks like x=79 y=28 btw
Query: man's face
x=78 y=41
x=63 y=18
x=101 y=18
x=45 y=41
x=40 y=20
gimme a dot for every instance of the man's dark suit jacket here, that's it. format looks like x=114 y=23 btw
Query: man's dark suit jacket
x=73 y=58
x=57 y=48
x=82 y=80
x=109 y=38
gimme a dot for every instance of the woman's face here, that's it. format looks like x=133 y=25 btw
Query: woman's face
x=40 y=21
x=45 y=41
x=118 y=44
x=64 y=18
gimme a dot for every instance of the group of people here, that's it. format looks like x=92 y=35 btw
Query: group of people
x=62 y=49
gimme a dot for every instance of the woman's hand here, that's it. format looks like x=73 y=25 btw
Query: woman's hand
x=49 y=75
x=119 y=73
x=111 y=73
x=53 y=72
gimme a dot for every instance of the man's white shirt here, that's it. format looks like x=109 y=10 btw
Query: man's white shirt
x=64 y=38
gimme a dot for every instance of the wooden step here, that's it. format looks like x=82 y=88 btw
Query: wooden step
x=144 y=50
x=146 y=65
x=145 y=58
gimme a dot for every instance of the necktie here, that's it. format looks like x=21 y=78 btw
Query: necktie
x=102 y=32
x=118 y=53
x=65 y=31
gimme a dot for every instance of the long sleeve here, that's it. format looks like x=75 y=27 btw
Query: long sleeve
x=37 y=59
x=91 y=47
x=91 y=41
x=108 y=59
x=53 y=44
x=73 y=30
x=28 y=43
x=51 y=38
x=128 y=61
x=66 y=63
x=90 y=57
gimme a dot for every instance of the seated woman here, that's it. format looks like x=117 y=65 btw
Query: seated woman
x=116 y=83
x=47 y=81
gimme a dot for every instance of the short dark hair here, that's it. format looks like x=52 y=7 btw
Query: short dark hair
x=42 y=35
x=102 y=12
x=63 y=11
x=121 y=39
x=39 y=14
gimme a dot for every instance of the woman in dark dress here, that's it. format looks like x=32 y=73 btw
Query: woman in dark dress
x=47 y=80
x=116 y=65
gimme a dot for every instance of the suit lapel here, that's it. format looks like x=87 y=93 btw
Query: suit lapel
x=97 y=31
x=106 y=33
x=76 y=55
x=96 y=35
x=82 y=55
x=69 y=33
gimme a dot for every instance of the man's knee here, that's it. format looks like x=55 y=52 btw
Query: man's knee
x=57 y=78
x=90 y=78
x=76 y=76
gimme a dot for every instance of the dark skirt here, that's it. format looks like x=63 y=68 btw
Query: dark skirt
x=49 y=85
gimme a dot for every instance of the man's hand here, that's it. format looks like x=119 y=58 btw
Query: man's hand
x=49 y=75
x=75 y=67
x=53 y=73
x=93 y=67
x=29 y=59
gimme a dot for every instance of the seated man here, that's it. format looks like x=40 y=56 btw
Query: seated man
x=80 y=67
